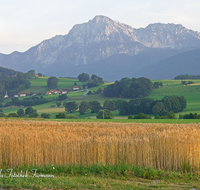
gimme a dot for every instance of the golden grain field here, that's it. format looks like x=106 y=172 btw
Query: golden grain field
x=164 y=146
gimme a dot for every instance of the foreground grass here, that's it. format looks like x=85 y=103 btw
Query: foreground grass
x=121 y=176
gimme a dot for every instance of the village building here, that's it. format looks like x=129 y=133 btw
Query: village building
x=21 y=94
x=6 y=95
x=64 y=92
x=48 y=93
x=16 y=95
x=53 y=91
x=76 y=88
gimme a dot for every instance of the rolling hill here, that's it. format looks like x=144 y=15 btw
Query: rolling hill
x=183 y=63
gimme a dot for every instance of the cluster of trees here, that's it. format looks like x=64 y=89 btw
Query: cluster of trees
x=7 y=72
x=157 y=85
x=29 y=112
x=129 y=88
x=64 y=116
x=149 y=106
x=33 y=100
x=166 y=115
x=93 y=106
x=160 y=108
x=95 y=81
x=139 y=116
x=91 y=82
x=190 y=116
x=186 y=82
x=180 y=77
x=14 y=84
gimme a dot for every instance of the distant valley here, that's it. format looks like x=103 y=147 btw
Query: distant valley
x=113 y=50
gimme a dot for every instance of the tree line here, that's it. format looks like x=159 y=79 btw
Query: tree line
x=91 y=82
x=186 y=76
x=135 y=106
x=15 y=84
x=149 y=106
x=129 y=88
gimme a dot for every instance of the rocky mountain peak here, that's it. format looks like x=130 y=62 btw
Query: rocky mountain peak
x=100 y=38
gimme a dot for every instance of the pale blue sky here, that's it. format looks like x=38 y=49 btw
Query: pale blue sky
x=26 y=23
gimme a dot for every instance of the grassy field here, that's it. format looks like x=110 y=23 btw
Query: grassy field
x=40 y=84
x=170 y=87
x=174 y=87
x=120 y=177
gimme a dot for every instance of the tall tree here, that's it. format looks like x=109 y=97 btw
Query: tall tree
x=83 y=107
x=71 y=106
x=83 y=77
x=20 y=112
x=109 y=105
x=52 y=82
x=95 y=106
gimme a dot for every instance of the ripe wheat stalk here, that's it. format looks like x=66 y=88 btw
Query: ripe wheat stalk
x=162 y=146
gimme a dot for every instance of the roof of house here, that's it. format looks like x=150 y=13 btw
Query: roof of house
x=22 y=92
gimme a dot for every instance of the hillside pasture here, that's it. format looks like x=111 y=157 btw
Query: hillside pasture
x=40 y=84
x=174 y=87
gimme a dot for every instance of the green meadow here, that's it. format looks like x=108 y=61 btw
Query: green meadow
x=170 y=87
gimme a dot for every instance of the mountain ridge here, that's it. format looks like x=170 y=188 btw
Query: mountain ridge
x=99 y=39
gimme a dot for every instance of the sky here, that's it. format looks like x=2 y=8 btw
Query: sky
x=26 y=23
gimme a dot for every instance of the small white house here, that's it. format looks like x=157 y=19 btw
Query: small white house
x=16 y=95
x=21 y=94
x=63 y=92
x=76 y=88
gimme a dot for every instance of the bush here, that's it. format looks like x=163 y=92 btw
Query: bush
x=191 y=116
x=46 y=115
x=130 y=117
x=107 y=114
x=180 y=116
x=141 y=116
x=12 y=115
x=35 y=115
x=166 y=115
x=61 y=116
x=72 y=116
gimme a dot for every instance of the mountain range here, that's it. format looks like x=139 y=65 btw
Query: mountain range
x=112 y=50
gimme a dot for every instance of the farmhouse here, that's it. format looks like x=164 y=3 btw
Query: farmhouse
x=48 y=93
x=76 y=88
x=16 y=95
x=21 y=94
x=53 y=91
x=64 y=92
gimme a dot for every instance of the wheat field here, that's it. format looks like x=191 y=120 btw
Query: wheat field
x=162 y=146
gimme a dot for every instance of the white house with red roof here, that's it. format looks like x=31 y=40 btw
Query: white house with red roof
x=76 y=88
x=21 y=94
